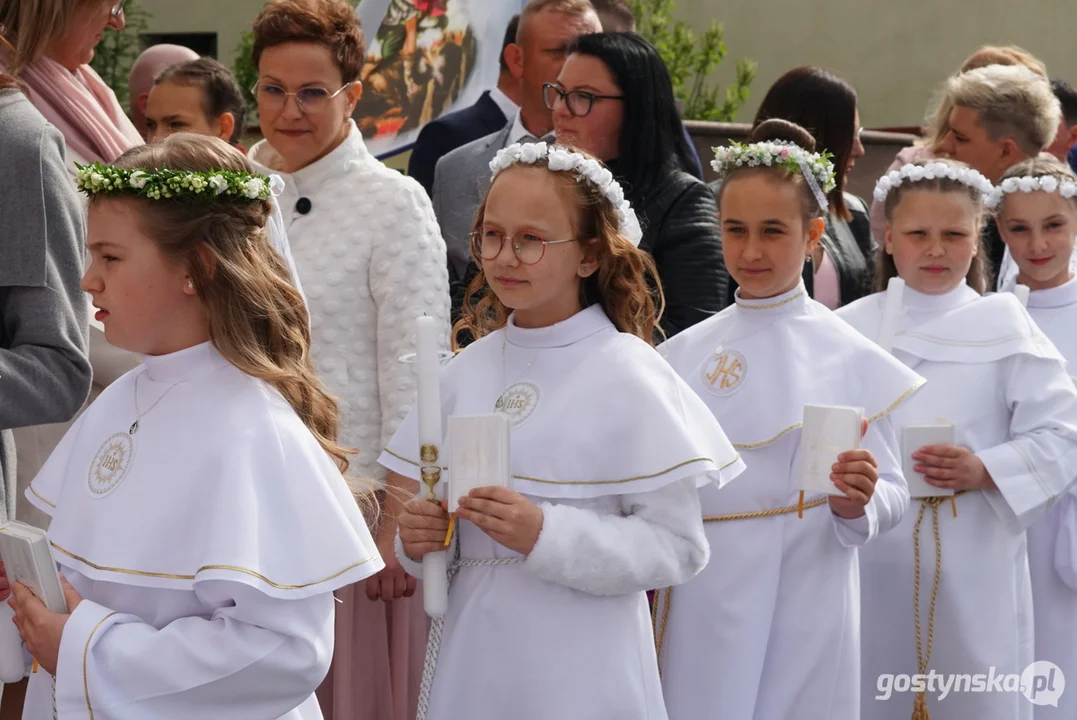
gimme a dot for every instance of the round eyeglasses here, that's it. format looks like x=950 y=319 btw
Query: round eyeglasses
x=117 y=9
x=309 y=100
x=579 y=102
x=487 y=242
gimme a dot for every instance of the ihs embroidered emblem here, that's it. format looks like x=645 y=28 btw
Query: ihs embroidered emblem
x=519 y=402
x=724 y=372
x=110 y=465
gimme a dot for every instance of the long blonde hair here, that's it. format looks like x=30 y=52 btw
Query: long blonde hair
x=626 y=284
x=257 y=319
x=29 y=26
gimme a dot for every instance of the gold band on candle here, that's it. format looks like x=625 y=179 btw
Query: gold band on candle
x=428 y=454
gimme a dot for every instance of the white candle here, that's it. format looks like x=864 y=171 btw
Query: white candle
x=428 y=401
x=428 y=391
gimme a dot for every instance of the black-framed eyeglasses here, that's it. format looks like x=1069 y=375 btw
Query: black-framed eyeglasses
x=578 y=102
x=529 y=247
x=117 y=9
x=309 y=100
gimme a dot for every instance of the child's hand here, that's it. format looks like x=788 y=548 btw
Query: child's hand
x=855 y=474
x=505 y=515
x=952 y=467
x=423 y=526
x=40 y=628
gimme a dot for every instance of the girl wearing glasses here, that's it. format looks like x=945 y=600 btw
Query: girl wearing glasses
x=371 y=259
x=608 y=448
x=614 y=98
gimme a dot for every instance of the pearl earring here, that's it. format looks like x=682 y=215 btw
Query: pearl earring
x=190 y=284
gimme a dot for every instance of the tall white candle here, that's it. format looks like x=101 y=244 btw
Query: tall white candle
x=428 y=391
x=428 y=401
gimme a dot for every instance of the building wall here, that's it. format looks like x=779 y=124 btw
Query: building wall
x=228 y=18
x=894 y=53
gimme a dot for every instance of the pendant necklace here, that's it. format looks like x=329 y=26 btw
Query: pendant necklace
x=117 y=453
x=519 y=400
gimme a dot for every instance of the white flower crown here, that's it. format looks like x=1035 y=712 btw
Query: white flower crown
x=933 y=171
x=817 y=168
x=1028 y=184
x=584 y=168
x=217 y=186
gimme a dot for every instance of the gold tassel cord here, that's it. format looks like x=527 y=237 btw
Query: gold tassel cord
x=665 y=595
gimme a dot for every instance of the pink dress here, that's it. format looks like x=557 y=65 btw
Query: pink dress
x=378 y=660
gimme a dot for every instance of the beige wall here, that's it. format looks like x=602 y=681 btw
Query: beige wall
x=894 y=52
x=228 y=18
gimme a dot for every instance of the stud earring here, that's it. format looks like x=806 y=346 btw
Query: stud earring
x=190 y=284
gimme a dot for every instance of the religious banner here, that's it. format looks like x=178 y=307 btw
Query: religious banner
x=425 y=58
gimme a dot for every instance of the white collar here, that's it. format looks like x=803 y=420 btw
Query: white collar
x=957 y=297
x=570 y=331
x=1061 y=296
x=351 y=150
x=519 y=132
x=791 y=301
x=183 y=364
x=507 y=107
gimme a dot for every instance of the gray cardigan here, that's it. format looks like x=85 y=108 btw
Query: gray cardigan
x=44 y=370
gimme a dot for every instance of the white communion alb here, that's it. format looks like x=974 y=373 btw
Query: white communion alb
x=770 y=629
x=609 y=442
x=1002 y=384
x=206 y=529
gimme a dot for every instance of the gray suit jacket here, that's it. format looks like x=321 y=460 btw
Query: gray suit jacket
x=44 y=372
x=461 y=179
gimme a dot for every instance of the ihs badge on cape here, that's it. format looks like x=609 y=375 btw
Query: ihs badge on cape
x=110 y=465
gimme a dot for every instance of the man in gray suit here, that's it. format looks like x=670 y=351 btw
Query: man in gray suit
x=547 y=28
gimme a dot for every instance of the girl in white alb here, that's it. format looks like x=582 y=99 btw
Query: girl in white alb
x=547 y=614
x=769 y=630
x=947 y=594
x=1038 y=226
x=198 y=506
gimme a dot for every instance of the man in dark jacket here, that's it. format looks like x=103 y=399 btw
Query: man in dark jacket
x=493 y=110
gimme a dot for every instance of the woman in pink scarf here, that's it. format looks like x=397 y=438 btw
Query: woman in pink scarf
x=48 y=45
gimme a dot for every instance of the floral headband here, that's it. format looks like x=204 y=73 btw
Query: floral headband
x=817 y=168
x=215 y=186
x=933 y=171
x=584 y=168
x=1028 y=184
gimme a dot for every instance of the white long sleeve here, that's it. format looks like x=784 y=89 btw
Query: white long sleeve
x=253 y=658
x=408 y=278
x=1035 y=467
x=658 y=542
x=891 y=498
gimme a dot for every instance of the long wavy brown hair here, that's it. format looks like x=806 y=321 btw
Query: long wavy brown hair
x=257 y=319
x=625 y=285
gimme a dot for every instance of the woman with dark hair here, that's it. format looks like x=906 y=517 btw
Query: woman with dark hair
x=826 y=106
x=614 y=99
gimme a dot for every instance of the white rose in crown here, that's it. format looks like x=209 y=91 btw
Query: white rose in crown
x=561 y=160
x=532 y=152
x=138 y=179
x=218 y=183
x=1068 y=190
x=1010 y=185
x=600 y=176
x=1027 y=184
x=254 y=187
x=1049 y=183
